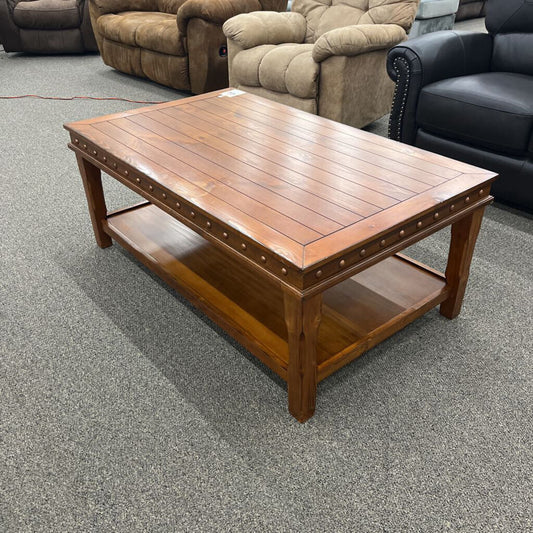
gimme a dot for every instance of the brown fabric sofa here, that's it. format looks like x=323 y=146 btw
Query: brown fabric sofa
x=469 y=9
x=178 y=43
x=327 y=57
x=46 y=26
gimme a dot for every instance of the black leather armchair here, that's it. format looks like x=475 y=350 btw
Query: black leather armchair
x=469 y=96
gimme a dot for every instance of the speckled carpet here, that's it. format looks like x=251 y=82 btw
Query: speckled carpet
x=124 y=409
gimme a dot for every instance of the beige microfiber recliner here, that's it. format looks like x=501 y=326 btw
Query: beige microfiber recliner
x=327 y=57
x=178 y=43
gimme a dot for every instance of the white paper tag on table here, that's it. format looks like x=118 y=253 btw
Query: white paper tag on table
x=231 y=94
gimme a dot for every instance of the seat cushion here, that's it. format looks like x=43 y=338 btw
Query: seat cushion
x=143 y=29
x=493 y=110
x=285 y=68
x=47 y=15
x=429 y=9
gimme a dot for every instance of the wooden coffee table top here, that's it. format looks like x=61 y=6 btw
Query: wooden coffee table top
x=290 y=190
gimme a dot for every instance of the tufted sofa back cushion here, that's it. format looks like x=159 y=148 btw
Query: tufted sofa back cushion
x=511 y=24
x=326 y=15
x=169 y=6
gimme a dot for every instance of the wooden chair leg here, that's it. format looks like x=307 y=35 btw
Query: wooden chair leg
x=464 y=236
x=302 y=317
x=92 y=183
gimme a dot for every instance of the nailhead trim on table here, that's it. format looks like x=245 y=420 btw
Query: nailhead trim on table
x=376 y=245
x=250 y=249
x=264 y=258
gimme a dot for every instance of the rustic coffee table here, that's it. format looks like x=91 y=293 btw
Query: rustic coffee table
x=283 y=227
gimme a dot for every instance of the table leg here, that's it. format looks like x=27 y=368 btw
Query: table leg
x=464 y=235
x=92 y=182
x=302 y=317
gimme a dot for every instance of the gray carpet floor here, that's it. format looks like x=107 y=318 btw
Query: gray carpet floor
x=122 y=408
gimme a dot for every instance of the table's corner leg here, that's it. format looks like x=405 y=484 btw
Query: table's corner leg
x=302 y=317
x=92 y=183
x=463 y=241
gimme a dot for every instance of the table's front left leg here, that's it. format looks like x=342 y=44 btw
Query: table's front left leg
x=464 y=236
x=92 y=183
x=302 y=317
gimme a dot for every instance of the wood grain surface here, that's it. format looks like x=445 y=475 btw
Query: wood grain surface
x=304 y=188
x=357 y=313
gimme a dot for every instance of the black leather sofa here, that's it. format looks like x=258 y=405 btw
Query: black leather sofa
x=469 y=96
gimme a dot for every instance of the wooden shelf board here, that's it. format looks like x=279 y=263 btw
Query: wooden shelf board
x=357 y=313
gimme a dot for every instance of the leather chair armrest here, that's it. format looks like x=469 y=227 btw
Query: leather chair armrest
x=265 y=27
x=214 y=11
x=357 y=39
x=426 y=59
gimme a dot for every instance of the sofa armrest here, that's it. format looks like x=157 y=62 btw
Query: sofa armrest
x=444 y=54
x=9 y=32
x=103 y=7
x=214 y=11
x=265 y=27
x=426 y=59
x=357 y=39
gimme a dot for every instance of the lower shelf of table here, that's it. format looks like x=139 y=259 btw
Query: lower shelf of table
x=357 y=313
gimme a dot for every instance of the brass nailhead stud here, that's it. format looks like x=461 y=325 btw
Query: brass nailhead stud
x=452 y=207
x=105 y=158
x=76 y=141
x=402 y=233
x=481 y=191
x=284 y=271
x=151 y=187
x=208 y=224
x=263 y=259
x=178 y=205
x=193 y=214
x=342 y=263
x=383 y=242
x=318 y=273
x=225 y=235
x=467 y=199
x=164 y=195
x=126 y=173
x=435 y=216
x=419 y=224
x=362 y=253
x=114 y=165
x=84 y=146
x=95 y=152
x=138 y=180
x=243 y=246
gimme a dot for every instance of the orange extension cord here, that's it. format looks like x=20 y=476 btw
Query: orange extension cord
x=81 y=98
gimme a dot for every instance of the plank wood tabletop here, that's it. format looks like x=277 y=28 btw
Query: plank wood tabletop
x=303 y=187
